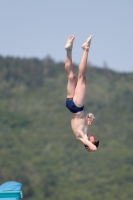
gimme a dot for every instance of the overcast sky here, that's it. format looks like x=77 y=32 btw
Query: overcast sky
x=37 y=28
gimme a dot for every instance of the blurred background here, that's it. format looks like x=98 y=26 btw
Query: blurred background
x=38 y=148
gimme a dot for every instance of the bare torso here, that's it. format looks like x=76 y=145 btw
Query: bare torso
x=79 y=125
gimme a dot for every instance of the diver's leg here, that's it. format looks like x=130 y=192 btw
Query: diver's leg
x=80 y=91
x=69 y=69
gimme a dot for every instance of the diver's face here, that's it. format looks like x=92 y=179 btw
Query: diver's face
x=92 y=138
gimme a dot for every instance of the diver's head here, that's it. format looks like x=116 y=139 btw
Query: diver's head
x=93 y=139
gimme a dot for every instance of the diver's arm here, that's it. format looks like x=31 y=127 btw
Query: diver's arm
x=91 y=147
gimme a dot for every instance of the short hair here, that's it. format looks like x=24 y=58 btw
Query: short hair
x=96 y=143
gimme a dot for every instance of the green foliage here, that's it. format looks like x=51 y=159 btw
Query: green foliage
x=37 y=145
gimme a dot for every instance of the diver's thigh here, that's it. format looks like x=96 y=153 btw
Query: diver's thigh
x=80 y=93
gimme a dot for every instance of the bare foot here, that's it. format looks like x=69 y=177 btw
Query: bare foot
x=86 y=45
x=69 y=44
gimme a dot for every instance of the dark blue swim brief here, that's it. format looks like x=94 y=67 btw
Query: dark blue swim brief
x=72 y=107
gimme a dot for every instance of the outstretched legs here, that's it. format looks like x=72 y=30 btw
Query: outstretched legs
x=77 y=91
x=80 y=91
x=69 y=69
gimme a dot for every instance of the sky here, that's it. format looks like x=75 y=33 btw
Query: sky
x=40 y=28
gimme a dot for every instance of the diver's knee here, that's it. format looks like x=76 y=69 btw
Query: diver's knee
x=82 y=77
x=71 y=76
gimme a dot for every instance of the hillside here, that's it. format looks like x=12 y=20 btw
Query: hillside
x=37 y=145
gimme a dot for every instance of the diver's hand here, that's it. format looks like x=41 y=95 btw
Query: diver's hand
x=90 y=118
